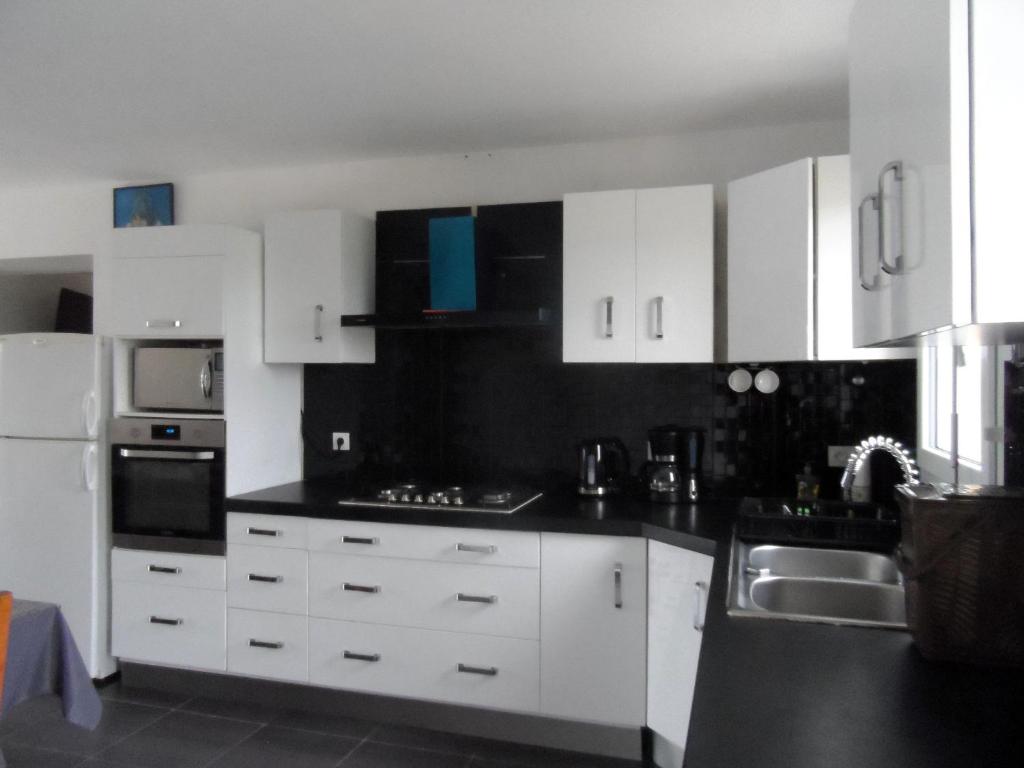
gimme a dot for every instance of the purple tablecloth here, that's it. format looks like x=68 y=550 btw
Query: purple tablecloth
x=42 y=658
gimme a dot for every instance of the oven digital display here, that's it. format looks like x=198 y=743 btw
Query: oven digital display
x=165 y=432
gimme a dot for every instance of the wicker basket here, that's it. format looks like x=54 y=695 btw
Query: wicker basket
x=963 y=562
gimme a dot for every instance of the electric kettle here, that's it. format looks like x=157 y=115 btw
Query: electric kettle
x=604 y=466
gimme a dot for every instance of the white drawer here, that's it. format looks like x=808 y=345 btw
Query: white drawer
x=266 y=530
x=495 y=672
x=267 y=645
x=169 y=625
x=423 y=542
x=416 y=593
x=170 y=568
x=267 y=579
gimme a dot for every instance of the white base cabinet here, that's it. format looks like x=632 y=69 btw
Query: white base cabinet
x=593 y=628
x=271 y=645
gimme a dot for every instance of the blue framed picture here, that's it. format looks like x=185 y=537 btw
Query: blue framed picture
x=151 y=205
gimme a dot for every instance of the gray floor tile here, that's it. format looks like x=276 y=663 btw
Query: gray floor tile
x=119 y=692
x=236 y=710
x=336 y=725
x=518 y=756
x=272 y=747
x=423 y=738
x=179 y=740
x=373 y=755
x=19 y=756
x=119 y=720
x=30 y=711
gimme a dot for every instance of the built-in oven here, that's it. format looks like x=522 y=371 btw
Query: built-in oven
x=167 y=484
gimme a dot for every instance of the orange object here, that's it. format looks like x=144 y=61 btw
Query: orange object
x=6 y=605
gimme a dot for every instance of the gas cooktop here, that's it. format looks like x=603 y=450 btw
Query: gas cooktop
x=453 y=497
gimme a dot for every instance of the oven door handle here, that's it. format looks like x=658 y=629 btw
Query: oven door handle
x=131 y=453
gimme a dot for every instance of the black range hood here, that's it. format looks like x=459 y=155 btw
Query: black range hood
x=518 y=269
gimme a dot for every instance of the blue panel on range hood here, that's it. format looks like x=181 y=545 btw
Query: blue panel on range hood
x=452 y=263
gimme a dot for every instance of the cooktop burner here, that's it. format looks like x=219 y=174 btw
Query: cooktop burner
x=453 y=497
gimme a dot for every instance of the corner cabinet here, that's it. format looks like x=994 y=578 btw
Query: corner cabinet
x=593 y=636
x=935 y=122
x=790 y=289
x=638 y=276
x=318 y=266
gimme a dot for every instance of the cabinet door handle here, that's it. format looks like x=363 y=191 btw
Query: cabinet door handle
x=361 y=656
x=875 y=280
x=273 y=646
x=897 y=266
x=484 y=549
x=163 y=569
x=469 y=669
x=373 y=590
x=262 y=532
x=659 y=311
x=462 y=597
x=618 y=585
x=318 y=319
x=266 y=579
x=166 y=622
x=609 y=328
x=163 y=323
x=699 y=588
x=360 y=540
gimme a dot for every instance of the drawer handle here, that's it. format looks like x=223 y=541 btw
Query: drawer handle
x=163 y=323
x=462 y=597
x=361 y=656
x=163 y=569
x=486 y=549
x=360 y=540
x=699 y=588
x=360 y=588
x=618 y=584
x=266 y=579
x=489 y=671
x=262 y=532
x=166 y=622
x=265 y=644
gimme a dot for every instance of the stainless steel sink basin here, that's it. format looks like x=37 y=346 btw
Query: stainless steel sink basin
x=832 y=586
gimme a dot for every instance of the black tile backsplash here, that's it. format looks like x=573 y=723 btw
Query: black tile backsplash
x=488 y=406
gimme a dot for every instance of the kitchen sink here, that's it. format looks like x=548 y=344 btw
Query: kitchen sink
x=833 y=586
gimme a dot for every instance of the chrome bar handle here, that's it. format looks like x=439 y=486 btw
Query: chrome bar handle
x=361 y=656
x=360 y=540
x=253 y=643
x=146 y=453
x=373 y=590
x=897 y=265
x=163 y=323
x=659 y=310
x=618 y=585
x=489 y=671
x=262 y=532
x=163 y=569
x=166 y=622
x=266 y=579
x=484 y=549
x=699 y=588
x=462 y=597
x=206 y=379
x=318 y=319
x=875 y=283
x=609 y=329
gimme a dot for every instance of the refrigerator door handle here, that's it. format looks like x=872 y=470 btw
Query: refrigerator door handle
x=90 y=413
x=89 y=468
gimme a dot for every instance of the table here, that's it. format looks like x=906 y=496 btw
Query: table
x=42 y=658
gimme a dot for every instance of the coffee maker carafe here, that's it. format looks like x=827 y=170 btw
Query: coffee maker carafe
x=673 y=470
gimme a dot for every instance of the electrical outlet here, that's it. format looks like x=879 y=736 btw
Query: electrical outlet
x=838 y=454
x=340 y=441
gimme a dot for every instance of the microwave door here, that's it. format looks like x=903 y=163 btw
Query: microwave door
x=175 y=379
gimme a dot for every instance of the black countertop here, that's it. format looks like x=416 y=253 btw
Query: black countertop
x=770 y=693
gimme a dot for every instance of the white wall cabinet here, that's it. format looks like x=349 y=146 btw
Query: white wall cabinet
x=638 y=276
x=593 y=628
x=678 y=584
x=789 y=284
x=936 y=167
x=319 y=265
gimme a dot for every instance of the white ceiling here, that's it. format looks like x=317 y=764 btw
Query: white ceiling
x=144 y=89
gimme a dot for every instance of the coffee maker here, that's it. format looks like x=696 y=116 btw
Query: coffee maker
x=672 y=473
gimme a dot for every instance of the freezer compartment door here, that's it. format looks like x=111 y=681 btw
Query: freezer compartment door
x=49 y=386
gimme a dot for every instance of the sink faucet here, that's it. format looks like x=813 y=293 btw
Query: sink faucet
x=869 y=446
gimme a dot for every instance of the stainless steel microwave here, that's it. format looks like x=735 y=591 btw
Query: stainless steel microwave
x=178 y=379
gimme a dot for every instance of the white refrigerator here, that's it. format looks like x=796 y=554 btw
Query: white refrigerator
x=54 y=481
